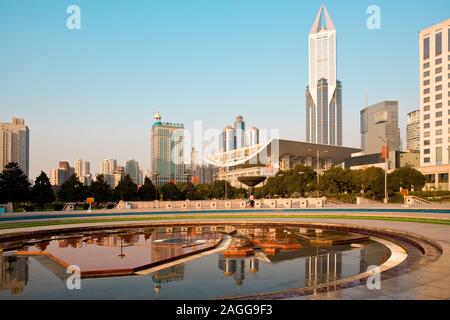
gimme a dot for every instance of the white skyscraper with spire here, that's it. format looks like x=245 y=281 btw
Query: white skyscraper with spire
x=324 y=91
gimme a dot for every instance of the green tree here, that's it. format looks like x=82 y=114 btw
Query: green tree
x=72 y=190
x=126 y=190
x=406 y=178
x=148 y=191
x=100 y=190
x=203 y=191
x=42 y=192
x=14 y=184
x=170 y=192
x=371 y=182
x=337 y=181
x=217 y=189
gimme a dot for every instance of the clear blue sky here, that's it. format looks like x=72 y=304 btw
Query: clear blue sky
x=92 y=93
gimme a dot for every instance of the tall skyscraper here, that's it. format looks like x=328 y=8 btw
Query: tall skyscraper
x=239 y=129
x=413 y=131
x=108 y=166
x=167 y=144
x=434 y=43
x=380 y=121
x=15 y=144
x=132 y=169
x=324 y=91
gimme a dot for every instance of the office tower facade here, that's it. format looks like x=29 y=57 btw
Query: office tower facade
x=61 y=174
x=239 y=130
x=380 y=121
x=167 y=145
x=229 y=136
x=132 y=169
x=108 y=166
x=254 y=137
x=434 y=43
x=413 y=131
x=324 y=91
x=15 y=144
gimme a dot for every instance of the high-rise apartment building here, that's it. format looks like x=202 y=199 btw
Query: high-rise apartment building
x=434 y=43
x=254 y=137
x=61 y=174
x=167 y=145
x=108 y=166
x=324 y=91
x=380 y=121
x=229 y=136
x=15 y=144
x=132 y=169
x=83 y=170
x=413 y=131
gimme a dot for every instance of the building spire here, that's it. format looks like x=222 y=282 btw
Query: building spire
x=319 y=19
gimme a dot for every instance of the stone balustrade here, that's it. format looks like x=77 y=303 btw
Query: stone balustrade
x=222 y=204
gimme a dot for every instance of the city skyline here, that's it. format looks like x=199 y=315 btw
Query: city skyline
x=272 y=71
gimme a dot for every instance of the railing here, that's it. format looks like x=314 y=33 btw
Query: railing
x=413 y=200
x=222 y=204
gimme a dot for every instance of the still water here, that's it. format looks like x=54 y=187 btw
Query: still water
x=28 y=272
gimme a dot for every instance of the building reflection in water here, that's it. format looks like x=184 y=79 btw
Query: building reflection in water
x=13 y=273
x=235 y=267
x=171 y=274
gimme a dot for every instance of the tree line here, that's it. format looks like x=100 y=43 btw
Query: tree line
x=338 y=182
x=299 y=182
x=15 y=188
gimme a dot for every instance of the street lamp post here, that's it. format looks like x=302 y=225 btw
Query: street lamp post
x=156 y=174
x=318 y=171
x=386 y=199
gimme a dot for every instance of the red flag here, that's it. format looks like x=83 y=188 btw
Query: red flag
x=385 y=152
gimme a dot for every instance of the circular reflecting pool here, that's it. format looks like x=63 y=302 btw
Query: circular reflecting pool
x=180 y=262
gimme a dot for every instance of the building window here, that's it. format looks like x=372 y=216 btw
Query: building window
x=426 y=91
x=426 y=126
x=439 y=105
x=426 y=134
x=438 y=79
x=427 y=151
x=439 y=87
x=426 y=117
x=439 y=132
x=426 y=48
x=426 y=100
x=439 y=141
x=426 y=160
x=438 y=70
x=426 y=143
x=443 y=177
x=426 y=74
x=439 y=123
x=439 y=155
x=439 y=114
x=426 y=82
x=438 y=96
x=429 y=178
x=426 y=108
x=438 y=61
x=438 y=39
